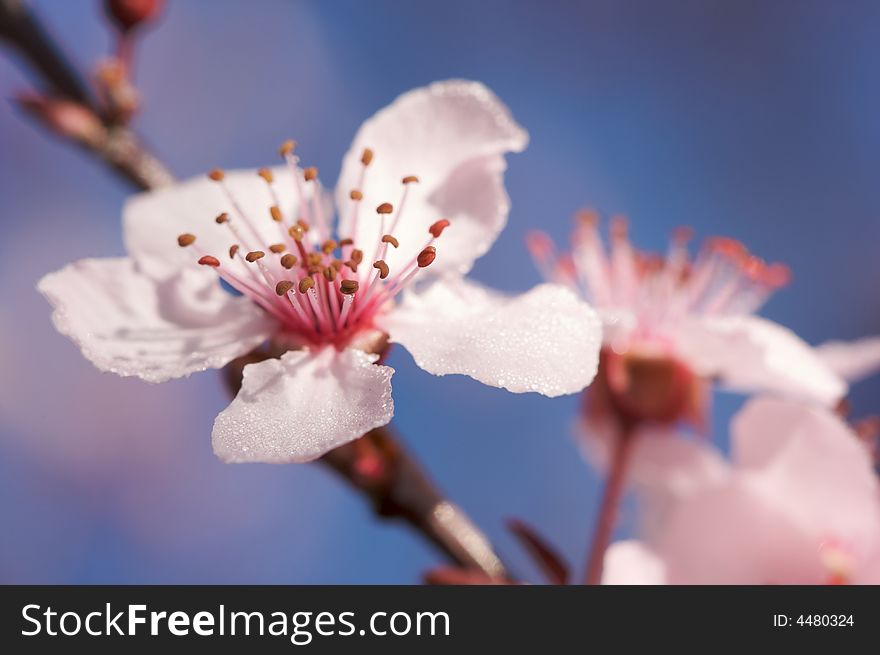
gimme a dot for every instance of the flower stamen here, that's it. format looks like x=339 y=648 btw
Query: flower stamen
x=315 y=285
x=217 y=175
x=653 y=291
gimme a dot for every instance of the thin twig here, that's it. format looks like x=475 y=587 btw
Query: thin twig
x=379 y=467
x=610 y=504
x=22 y=28
x=115 y=145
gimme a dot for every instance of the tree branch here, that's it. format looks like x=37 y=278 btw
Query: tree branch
x=378 y=466
x=116 y=145
x=22 y=29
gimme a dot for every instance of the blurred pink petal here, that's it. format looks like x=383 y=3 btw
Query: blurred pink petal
x=796 y=454
x=662 y=459
x=800 y=505
x=632 y=563
x=852 y=360
x=665 y=466
x=748 y=353
x=696 y=312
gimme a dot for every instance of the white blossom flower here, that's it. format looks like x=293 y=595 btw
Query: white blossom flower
x=329 y=299
x=697 y=314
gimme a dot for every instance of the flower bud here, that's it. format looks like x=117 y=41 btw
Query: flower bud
x=129 y=14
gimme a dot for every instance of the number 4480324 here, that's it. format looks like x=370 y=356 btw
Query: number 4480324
x=825 y=620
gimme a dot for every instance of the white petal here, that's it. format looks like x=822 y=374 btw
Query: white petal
x=852 y=360
x=453 y=135
x=789 y=446
x=152 y=221
x=545 y=340
x=632 y=563
x=297 y=408
x=749 y=353
x=127 y=323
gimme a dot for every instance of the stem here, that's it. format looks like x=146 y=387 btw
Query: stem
x=127 y=155
x=117 y=146
x=23 y=29
x=397 y=487
x=608 y=510
x=379 y=467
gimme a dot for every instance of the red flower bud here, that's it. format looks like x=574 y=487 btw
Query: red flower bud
x=129 y=14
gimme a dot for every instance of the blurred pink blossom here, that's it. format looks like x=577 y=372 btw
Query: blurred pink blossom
x=799 y=504
x=852 y=360
x=697 y=314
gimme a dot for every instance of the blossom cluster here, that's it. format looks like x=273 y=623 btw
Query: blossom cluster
x=310 y=287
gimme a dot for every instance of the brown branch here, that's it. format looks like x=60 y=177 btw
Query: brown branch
x=378 y=466
x=126 y=154
x=116 y=145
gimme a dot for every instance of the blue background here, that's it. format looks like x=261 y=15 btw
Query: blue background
x=760 y=120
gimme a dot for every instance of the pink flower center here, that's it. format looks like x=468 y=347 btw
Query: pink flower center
x=320 y=288
x=723 y=279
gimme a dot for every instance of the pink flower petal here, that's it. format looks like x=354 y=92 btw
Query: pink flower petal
x=297 y=408
x=852 y=360
x=799 y=505
x=126 y=323
x=453 y=136
x=808 y=463
x=632 y=563
x=545 y=340
x=665 y=466
x=749 y=353
x=662 y=458
x=730 y=534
